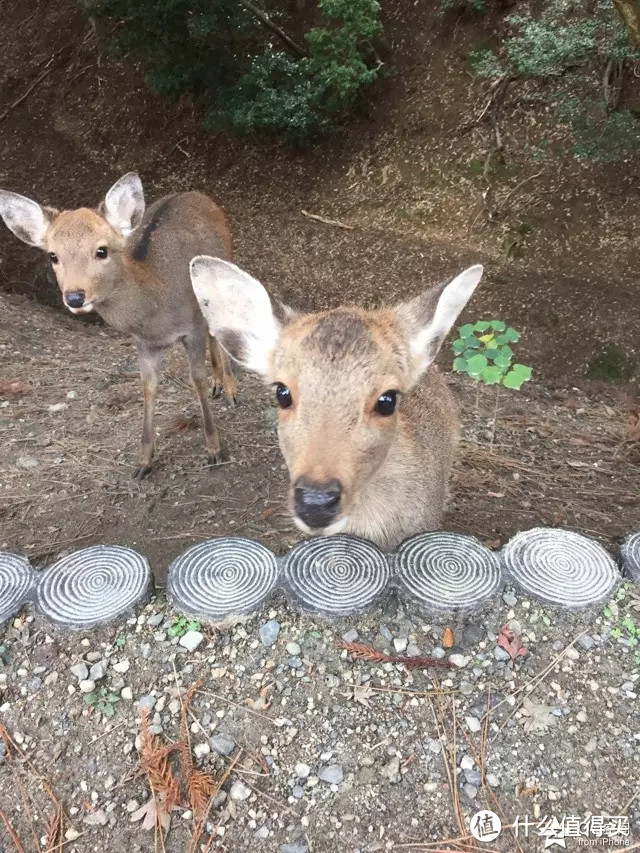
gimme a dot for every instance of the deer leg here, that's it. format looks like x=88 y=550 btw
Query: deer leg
x=223 y=378
x=150 y=362
x=195 y=347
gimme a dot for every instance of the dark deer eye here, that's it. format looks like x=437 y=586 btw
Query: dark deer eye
x=53 y=257
x=101 y=252
x=386 y=403
x=283 y=396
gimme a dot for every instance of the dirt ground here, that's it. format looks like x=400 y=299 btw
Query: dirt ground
x=559 y=241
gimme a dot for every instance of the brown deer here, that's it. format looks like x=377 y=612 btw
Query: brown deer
x=132 y=268
x=367 y=426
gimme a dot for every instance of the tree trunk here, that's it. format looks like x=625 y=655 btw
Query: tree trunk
x=630 y=13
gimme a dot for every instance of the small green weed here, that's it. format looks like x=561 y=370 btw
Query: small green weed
x=483 y=351
x=181 y=625
x=102 y=700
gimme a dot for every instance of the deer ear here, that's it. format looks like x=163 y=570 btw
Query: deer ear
x=237 y=309
x=124 y=204
x=429 y=317
x=25 y=218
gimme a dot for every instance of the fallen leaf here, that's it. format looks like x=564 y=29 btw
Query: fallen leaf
x=538 y=717
x=511 y=643
x=362 y=693
x=447 y=639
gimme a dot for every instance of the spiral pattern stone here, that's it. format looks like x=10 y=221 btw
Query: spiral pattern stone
x=16 y=582
x=336 y=575
x=447 y=571
x=631 y=557
x=222 y=577
x=92 y=586
x=560 y=567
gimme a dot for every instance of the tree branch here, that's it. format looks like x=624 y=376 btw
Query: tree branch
x=269 y=24
x=629 y=11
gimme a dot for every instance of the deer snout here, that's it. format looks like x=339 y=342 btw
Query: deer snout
x=317 y=504
x=75 y=298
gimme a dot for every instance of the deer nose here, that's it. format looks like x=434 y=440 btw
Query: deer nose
x=75 y=298
x=317 y=504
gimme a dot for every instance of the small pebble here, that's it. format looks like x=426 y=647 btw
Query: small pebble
x=293 y=649
x=222 y=744
x=87 y=686
x=332 y=774
x=269 y=633
x=474 y=724
x=239 y=791
x=80 y=671
x=191 y=640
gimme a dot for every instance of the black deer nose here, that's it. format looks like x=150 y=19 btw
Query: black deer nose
x=317 y=504
x=75 y=298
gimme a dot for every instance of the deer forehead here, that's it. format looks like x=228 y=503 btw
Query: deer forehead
x=74 y=230
x=345 y=347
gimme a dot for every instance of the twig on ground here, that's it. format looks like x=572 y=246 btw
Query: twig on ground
x=333 y=222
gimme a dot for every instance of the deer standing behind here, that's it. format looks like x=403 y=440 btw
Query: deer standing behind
x=367 y=426
x=132 y=268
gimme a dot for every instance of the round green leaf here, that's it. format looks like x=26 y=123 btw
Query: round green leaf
x=498 y=325
x=492 y=374
x=481 y=326
x=471 y=342
x=458 y=346
x=476 y=364
x=466 y=330
x=460 y=365
x=511 y=335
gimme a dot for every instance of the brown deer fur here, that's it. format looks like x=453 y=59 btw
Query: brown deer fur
x=383 y=475
x=142 y=286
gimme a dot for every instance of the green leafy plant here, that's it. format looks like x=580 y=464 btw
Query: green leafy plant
x=181 y=625
x=102 y=700
x=120 y=641
x=483 y=351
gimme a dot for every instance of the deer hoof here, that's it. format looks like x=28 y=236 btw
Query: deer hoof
x=214 y=458
x=141 y=472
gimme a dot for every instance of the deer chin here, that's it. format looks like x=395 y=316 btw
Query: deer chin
x=337 y=527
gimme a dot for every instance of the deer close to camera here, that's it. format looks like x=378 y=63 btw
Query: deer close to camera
x=132 y=268
x=367 y=425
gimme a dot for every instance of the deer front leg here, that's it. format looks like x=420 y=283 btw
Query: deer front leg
x=150 y=363
x=196 y=352
x=223 y=378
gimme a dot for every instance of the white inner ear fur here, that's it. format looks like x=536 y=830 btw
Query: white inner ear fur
x=124 y=204
x=454 y=297
x=234 y=302
x=25 y=218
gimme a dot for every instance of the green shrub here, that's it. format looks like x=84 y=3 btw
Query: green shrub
x=567 y=44
x=249 y=79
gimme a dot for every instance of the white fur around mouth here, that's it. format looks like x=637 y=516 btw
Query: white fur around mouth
x=84 y=310
x=331 y=530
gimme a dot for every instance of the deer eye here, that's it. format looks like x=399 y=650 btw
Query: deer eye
x=283 y=396
x=53 y=257
x=386 y=403
x=101 y=252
